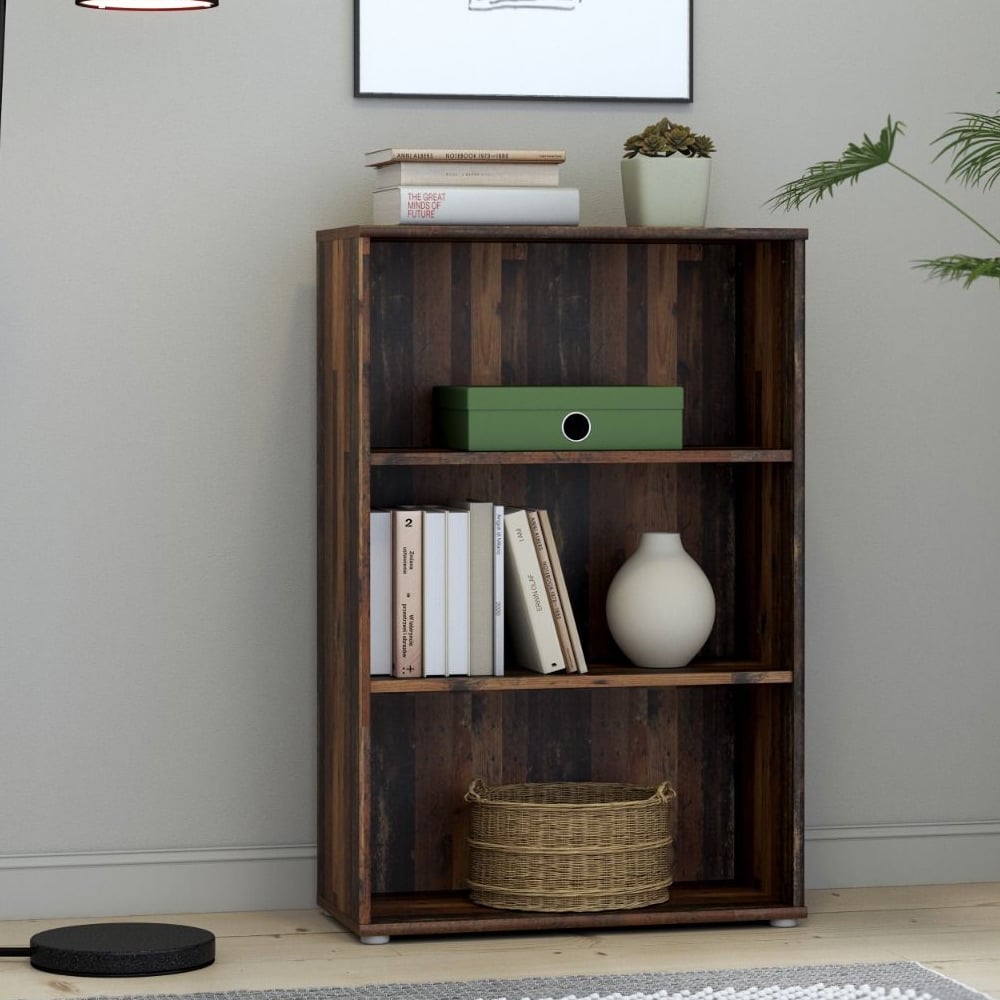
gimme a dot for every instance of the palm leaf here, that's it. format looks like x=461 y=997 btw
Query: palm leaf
x=822 y=178
x=960 y=267
x=974 y=147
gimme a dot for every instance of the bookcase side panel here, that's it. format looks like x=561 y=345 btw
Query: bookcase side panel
x=771 y=502
x=342 y=583
x=796 y=278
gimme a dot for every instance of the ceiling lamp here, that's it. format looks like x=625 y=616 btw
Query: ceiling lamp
x=148 y=4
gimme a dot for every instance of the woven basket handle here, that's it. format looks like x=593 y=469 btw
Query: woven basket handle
x=477 y=790
x=665 y=792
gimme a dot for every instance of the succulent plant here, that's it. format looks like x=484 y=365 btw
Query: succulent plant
x=665 y=138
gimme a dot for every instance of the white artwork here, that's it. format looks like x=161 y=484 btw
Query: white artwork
x=570 y=49
x=524 y=4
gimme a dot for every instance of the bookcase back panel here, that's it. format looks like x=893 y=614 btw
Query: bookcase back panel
x=727 y=517
x=427 y=748
x=467 y=313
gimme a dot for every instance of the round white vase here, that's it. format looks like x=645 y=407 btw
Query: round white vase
x=660 y=605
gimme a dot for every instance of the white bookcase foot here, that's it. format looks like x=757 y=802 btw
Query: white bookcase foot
x=785 y=922
x=375 y=939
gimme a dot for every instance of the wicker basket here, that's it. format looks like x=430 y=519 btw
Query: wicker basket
x=570 y=846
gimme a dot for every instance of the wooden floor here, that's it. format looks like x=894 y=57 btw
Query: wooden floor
x=953 y=929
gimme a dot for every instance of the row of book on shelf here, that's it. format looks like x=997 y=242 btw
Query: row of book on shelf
x=431 y=186
x=464 y=589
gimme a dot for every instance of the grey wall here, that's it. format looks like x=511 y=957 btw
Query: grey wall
x=161 y=180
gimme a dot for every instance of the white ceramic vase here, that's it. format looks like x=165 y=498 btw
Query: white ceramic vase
x=660 y=605
x=666 y=190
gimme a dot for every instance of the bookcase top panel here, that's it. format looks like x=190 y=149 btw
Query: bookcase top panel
x=585 y=234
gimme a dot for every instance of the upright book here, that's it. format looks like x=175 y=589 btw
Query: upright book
x=499 y=601
x=458 y=591
x=451 y=581
x=546 y=564
x=532 y=626
x=434 y=596
x=407 y=591
x=478 y=206
x=380 y=593
x=560 y=581
x=486 y=605
x=412 y=154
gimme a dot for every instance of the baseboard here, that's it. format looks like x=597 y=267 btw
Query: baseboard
x=134 y=883
x=914 y=854
x=284 y=877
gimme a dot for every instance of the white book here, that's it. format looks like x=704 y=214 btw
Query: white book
x=486 y=206
x=434 y=600
x=499 y=605
x=532 y=627
x=482 y=606
x=574 y=633
x=546 y=562
x=465 y=173
x=457 y=586
x=380 y=593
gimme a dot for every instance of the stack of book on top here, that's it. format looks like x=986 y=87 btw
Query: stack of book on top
x=504 y=187
x=448 y=583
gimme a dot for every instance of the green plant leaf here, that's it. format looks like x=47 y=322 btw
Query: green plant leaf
x=664 y=138
x=974 y=147
x=823 y=178
x=960 y=267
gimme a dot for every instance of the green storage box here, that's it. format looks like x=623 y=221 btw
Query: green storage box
x=559 y=417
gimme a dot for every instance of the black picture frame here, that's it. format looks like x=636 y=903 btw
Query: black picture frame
x=3 y=18
x=584 y=50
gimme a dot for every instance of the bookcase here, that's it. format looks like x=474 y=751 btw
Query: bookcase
x=717 y=311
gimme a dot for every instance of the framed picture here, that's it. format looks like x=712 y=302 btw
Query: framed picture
x=603 y=50
x=3 y=17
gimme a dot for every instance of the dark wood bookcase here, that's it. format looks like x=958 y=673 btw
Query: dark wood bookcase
x=718 y=311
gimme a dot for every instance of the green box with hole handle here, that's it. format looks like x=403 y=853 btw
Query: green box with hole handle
x=559 y=417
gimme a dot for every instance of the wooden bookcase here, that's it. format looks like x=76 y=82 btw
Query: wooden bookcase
x=720 y=312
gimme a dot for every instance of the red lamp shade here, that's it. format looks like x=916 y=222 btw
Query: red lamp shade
x=148 y=4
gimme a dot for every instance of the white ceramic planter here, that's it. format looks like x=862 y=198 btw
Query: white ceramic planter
x=666 y=190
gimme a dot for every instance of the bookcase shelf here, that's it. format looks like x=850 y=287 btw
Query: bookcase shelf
x=598 y=676
x=718 y=311
x=689 y=456
x=444 y=913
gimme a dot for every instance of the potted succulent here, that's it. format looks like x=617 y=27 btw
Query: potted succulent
x=666 y=169
x=973 y=145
